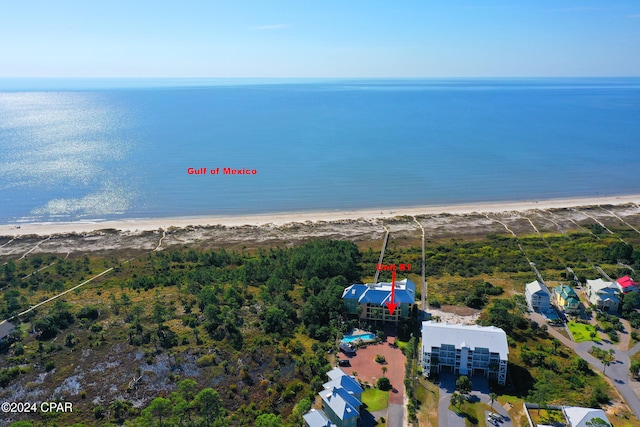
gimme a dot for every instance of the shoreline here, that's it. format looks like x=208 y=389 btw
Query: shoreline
x=282 y=218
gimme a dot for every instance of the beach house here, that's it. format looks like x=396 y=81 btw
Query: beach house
x=538 y=296
x=341 y=402
x=566 y=299
x=5 y=329
x=580 y=417
x=603 y=295
x=464 y=350
x=369 y=300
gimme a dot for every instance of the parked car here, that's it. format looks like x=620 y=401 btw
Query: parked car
x=347 y=348
x=344 y=362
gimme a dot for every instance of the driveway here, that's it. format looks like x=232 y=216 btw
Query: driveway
x=448 y=418
x=618 y=371
x=369 y=371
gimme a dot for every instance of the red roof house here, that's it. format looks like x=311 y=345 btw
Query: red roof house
x=627 y=285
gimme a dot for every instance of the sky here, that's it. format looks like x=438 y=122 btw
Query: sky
x=310 y=38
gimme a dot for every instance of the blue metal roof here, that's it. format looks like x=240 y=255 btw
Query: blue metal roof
x=317 y=418
x=346 y=382
x=380 y=293
x=342 y=404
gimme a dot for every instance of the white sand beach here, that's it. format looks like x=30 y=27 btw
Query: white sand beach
x=51 y=228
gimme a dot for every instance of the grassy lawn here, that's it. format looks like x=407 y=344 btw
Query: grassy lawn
x=582 y=332
x=428 y=395
x=402 y=345
x=514 y=409
x=375 y=399
x=546 y=416
x=473 y=413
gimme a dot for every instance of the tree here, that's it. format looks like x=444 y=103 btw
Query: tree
x=464 y=385
x=119 y=409
x=457 y=399
x=383 y=384
x=541 y=391
x=159 y=408
x=384 y=370
x=208 y=405
x=188 y=388
x=268 y=420
x=597 y=422
x=631 y=302
x=70 y=340
x=606 y=357
x=634 y=369
x=555 y=343
x=493 y=397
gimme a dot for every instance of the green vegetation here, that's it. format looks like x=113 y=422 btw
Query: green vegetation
x=547 y=417
x=380 y=359
x=274 y=313
x=375 y=399
x=463 y=385
x=583 y=332
x=473 y=412
x=252 y=332
x=427 y=397
x=383 y=384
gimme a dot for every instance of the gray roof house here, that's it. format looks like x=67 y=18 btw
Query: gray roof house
x=538 y=296
x=465 y=350
x=317 y=418
x=604 y=295
x=5 y=329
x=578 y=417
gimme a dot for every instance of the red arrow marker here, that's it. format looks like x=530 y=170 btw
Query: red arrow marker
x=392 y=305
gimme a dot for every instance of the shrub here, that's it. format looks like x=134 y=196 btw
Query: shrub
x=383 y=384
x=206 y=360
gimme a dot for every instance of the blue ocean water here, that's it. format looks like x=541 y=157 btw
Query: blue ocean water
x=98 y=149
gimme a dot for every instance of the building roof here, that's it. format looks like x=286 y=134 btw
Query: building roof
x=578 y=417
x=535 y=287
x=471 y=336
x=341 y=403
x=336 y=373
x=599 y=285
x=626 y=282
x=6 y=328
x=346 y=382
x=380 y=293
x=567 y=293
x=317 y=418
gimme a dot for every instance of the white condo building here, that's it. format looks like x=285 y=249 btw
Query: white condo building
x=465 y=350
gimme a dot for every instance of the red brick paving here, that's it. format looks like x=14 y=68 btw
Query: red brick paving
x=369 y=370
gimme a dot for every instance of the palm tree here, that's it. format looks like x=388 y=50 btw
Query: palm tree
x=457 y=399
x=384 y=370
x=493 y=397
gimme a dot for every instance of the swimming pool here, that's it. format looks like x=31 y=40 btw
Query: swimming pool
x=363 y=337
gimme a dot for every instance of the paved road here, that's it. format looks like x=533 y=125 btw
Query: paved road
x=618 y=371
x=448 y=418
x=395 y=415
